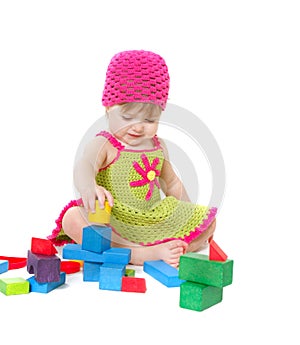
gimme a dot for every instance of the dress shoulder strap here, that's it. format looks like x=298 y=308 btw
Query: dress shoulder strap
x=156 y=141
x=115 y=143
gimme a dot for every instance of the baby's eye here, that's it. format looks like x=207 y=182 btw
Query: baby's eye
x=126 y=118
x=149 y=120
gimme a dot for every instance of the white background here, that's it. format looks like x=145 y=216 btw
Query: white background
x=236 y=65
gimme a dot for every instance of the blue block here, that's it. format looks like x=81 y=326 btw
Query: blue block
x=91 y=271
x=164 y=273
x=75 y=252
x=3 y=266
x=45 y=287
x=96 y=238
x=111 y=276
x=117 y=255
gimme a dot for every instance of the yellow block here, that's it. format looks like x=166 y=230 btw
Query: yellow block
x=101 y=216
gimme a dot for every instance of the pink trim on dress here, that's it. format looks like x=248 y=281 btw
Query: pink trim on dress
x=58 y=222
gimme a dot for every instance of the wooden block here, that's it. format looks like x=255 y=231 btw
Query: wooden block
x=101 y=216
x=133 y=284
x=111 y=276
x=69 y=266
x=75 y=252
x=91 y=271
x=198 y=268
x=117 y=255
x=42 y=246
x=45 y=268
x=14 y=262
x=163 y=272
x=129 y=272
x=199 y=297
x=14 y=286
x=35 y=286
x=215 y=252
x=96 y=238
x=3 y=266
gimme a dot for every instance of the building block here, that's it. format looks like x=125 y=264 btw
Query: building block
x=111 y=276
x=198 y=268
x=129 y=272
x=91 y=271
x=42 y=246
x=14 y=262
x=117 y=255
x=69 y=266
x=75 y=252
x=101 y=216
x=163 y=272
x=96 y=238
x=215 y=252
x=133 y=284
x=3 y=266
x=35 y=286
x=45 y=268
x=14 y=286
x=199 y=297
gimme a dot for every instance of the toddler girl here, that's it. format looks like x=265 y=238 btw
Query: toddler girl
x=128 y=166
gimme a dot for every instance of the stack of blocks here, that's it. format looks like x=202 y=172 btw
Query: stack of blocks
x=205 y=278
x=102 y=263
x=43 y=262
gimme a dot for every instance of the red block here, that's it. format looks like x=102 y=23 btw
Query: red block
x=42 y=246
x=215 y=252
x=14 y=262
x=69 y=266
x=133 y=284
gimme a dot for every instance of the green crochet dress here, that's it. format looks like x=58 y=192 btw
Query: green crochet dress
x=140 y=214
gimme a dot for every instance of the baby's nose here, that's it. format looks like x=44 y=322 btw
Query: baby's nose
x=138 y=126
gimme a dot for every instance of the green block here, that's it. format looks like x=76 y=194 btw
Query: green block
x=198 y=268
x=129 y=272
x=14 y=286
x=198 y=297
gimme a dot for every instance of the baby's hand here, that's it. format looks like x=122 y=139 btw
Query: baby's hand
x=89 y=196
x=102 y=195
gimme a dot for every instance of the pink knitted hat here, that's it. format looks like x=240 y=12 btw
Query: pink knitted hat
x=136 y=76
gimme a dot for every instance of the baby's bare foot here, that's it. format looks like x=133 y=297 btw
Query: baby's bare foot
x=171 y=251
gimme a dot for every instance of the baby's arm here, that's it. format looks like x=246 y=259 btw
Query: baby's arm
x=94 y=157
x=169 y=181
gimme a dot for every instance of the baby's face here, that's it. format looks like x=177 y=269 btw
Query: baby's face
x=133 y=129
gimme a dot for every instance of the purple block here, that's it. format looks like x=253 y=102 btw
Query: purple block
x=45 y=268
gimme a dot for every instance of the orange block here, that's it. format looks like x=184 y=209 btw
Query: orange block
x=215 y=252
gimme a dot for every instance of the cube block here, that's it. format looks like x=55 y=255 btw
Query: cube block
x=101 y=216
x=91 y=271
x=14 y=286
x=111 y=276
x=195 y=296
x=96 y=238
x=198 y=268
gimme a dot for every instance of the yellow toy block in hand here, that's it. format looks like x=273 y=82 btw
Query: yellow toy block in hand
x=101 y=216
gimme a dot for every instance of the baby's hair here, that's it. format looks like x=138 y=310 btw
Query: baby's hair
x=149 y=109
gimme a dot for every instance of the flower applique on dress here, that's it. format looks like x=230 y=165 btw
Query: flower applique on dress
x=149 y=174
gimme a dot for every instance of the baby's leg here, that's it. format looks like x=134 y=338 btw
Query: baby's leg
x=169 y=252
x=74 y=220
x=201 y=241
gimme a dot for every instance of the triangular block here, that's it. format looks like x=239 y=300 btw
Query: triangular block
x=215 y=252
